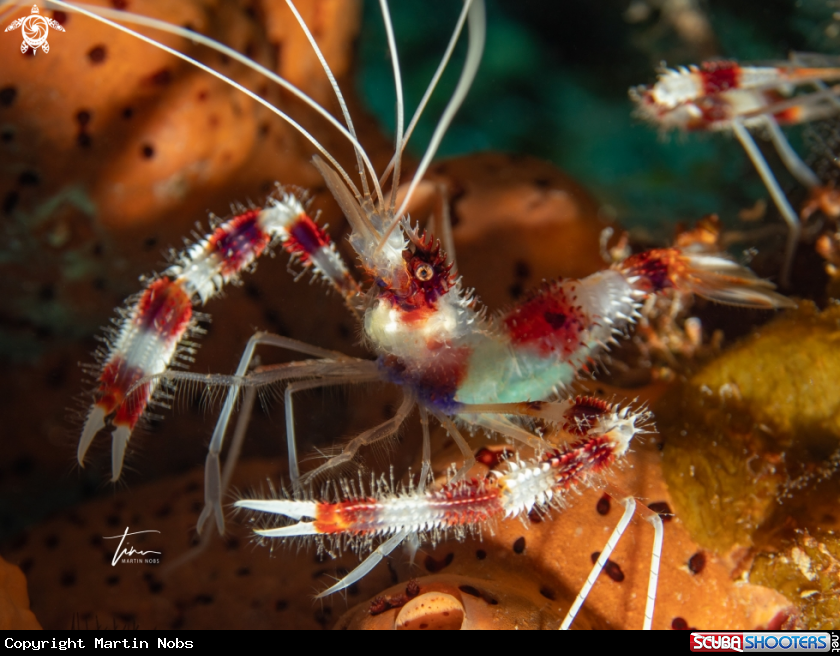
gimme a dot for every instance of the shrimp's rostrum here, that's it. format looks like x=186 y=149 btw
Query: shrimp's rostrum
x=427 y=333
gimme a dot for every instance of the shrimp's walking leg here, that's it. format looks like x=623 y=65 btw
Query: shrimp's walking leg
x=426 y=467
x=629 y=510
x=776 y=193
x=466 y=451
x=299 y=386
x=212 y=479
x=413 y=542
x=383 y=431
x=503 y=426
x=382 y=551
x=792 y=161
x=239 y=432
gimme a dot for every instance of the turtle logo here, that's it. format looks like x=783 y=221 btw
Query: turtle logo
x=34 y=29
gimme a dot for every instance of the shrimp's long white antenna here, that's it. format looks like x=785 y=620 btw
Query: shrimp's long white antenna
x=100 y=13
x=342 y=103
x=429 y=90
x=395 y=64
x=476 y=20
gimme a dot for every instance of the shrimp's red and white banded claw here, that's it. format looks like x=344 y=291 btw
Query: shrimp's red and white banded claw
x=603 y=432
x=149 y=336
x=727 y=96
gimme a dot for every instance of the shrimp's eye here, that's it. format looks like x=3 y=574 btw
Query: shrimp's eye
x=424 y=272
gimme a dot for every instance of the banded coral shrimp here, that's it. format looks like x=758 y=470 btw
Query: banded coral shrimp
x=725 y=96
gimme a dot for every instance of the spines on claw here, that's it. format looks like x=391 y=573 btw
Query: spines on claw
x=514 y=490
x=148 y=338
x=710 y=275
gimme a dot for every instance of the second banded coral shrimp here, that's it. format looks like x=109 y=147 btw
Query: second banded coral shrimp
x=741 y=98
x=505 y=375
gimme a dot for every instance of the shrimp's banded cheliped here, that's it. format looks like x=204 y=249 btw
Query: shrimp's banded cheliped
x=507 y=374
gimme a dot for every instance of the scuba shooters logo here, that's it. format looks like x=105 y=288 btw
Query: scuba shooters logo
x=777 y=641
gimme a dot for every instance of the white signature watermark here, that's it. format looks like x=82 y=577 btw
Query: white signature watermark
x=35 y=29
x=124 y=554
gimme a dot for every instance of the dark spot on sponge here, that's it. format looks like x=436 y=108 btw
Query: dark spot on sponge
x=603 y=505
x=434 y=566
x=663 y=509
x=611 y=568
x=10 y=202
x=697 y=563
x=97 y=54
x=28 y=179
x=160 y=78
x=7 y=96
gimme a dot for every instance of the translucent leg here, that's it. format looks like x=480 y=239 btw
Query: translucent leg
x=503 y=426
x=413 y=542
x=327 y=372
x=629 y=509
x=212 y=480
x=382 y=551
x=239 y=432
x=798 y=169
x=383 y=431
x=426 y=467
x=291 y=440
x=466 y=451
x=776 y=193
